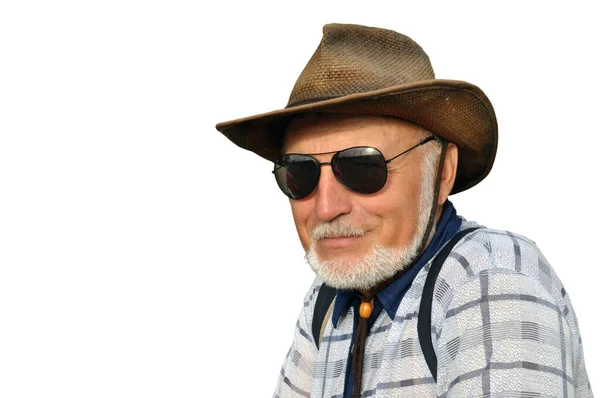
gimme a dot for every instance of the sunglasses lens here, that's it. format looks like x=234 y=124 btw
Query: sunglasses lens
x=297 y=175
x=360 y=169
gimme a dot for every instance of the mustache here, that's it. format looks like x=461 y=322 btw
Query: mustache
x=336 y=229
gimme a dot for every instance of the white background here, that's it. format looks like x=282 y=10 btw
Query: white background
x=142 y=254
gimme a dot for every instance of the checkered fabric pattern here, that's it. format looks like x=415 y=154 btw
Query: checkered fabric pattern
x=502 y=326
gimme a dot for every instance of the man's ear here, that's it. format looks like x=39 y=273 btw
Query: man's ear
x=448 y=173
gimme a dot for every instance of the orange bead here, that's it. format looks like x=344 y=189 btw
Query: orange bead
x=366 y=308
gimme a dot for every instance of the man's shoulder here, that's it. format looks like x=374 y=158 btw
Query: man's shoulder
x=493 y=241
x=311 y=295
x=490 y=252
x=487 y=248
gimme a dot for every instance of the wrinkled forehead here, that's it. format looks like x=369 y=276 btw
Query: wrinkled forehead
x=317 y=133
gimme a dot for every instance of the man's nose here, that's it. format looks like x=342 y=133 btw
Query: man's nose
x=333 y=199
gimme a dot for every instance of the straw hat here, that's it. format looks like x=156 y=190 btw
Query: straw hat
x=372 y=71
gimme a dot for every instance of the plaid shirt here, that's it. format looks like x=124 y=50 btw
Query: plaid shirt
x=502 y=326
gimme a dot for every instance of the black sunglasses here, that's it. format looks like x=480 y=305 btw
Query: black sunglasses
x=361 y=169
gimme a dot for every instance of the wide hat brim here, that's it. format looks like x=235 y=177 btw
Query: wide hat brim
x=457 y=111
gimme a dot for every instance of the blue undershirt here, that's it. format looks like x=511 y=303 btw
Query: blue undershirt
x=390 y=297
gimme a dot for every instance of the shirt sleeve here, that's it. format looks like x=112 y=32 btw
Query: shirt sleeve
x=505 y=335
x=295 y=377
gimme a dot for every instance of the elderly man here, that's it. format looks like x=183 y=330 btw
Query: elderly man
x=410 y=300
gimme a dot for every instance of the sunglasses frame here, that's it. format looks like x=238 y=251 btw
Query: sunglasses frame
x=279 y=163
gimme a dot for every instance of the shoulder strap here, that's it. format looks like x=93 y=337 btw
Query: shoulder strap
x=325 y=298
x=325 y=320
x=424 y=322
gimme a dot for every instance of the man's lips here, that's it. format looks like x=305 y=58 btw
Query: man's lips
x=338 y=242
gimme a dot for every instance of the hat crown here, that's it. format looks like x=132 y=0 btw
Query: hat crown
x=354 y=59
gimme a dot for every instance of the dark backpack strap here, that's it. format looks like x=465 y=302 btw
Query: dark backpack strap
x=424 y=322
x=324 y=298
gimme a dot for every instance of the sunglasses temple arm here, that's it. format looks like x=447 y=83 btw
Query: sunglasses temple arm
x=426 y=140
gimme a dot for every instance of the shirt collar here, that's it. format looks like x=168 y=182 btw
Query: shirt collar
x=390 y=297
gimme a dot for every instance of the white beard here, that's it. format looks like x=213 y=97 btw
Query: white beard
x=379 y=263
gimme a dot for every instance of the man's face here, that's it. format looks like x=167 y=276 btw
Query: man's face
x=389 y=220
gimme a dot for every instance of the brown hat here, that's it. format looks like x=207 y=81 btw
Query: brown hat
x=371 y=71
